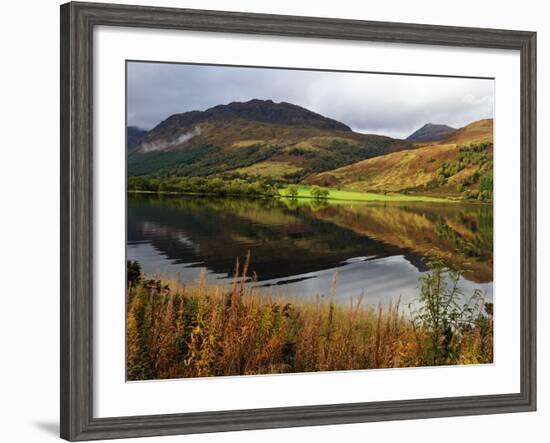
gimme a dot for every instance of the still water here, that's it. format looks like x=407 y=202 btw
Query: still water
x=296 y=248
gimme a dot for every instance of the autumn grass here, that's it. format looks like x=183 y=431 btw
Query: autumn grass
x=176 y=330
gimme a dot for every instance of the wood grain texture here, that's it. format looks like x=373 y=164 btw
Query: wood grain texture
x=77 y=23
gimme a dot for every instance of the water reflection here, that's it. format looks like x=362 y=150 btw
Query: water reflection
x=375 y=249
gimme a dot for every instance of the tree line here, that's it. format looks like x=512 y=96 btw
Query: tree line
x=218 y=186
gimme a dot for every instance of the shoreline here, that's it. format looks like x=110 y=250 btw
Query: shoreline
x=359 y=197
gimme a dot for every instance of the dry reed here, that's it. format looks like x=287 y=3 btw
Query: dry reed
x=177 y=331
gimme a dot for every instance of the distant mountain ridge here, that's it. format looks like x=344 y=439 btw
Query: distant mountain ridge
x=133 y=136
x=431 y=132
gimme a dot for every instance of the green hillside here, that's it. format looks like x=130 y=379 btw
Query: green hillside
x=259 y=138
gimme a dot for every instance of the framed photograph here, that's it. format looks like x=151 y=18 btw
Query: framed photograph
x=274 y=221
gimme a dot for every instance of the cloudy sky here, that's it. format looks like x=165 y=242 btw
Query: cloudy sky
x=394 y=105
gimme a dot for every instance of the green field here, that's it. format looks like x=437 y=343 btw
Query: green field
x=342 y=195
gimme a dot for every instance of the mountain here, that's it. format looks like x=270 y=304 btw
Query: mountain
x=460 y=165
x=258 y=137
x=431 y=132
x=133 y=136
x=265 y=111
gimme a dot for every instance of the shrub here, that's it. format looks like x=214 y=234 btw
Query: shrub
x=486 y=182
x=485 y=195
x=133 y=272
x=319 y=193
x=292 y=191
x=443 y=315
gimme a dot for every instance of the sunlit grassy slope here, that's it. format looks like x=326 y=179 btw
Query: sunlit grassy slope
x=416 y=170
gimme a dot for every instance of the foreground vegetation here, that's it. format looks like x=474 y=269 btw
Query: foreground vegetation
x=175 y=331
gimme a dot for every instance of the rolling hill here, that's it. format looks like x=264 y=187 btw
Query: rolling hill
x=479 y=131
x=460 y=165
x=259 y=137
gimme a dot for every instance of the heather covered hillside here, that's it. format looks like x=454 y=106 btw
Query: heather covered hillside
x=459 y=166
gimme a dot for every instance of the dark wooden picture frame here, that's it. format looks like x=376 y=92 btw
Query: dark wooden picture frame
x=77 y=23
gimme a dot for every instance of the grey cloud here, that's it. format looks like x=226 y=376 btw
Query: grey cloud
x=394 y=105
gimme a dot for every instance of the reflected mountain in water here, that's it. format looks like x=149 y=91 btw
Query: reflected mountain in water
x=375 y=248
